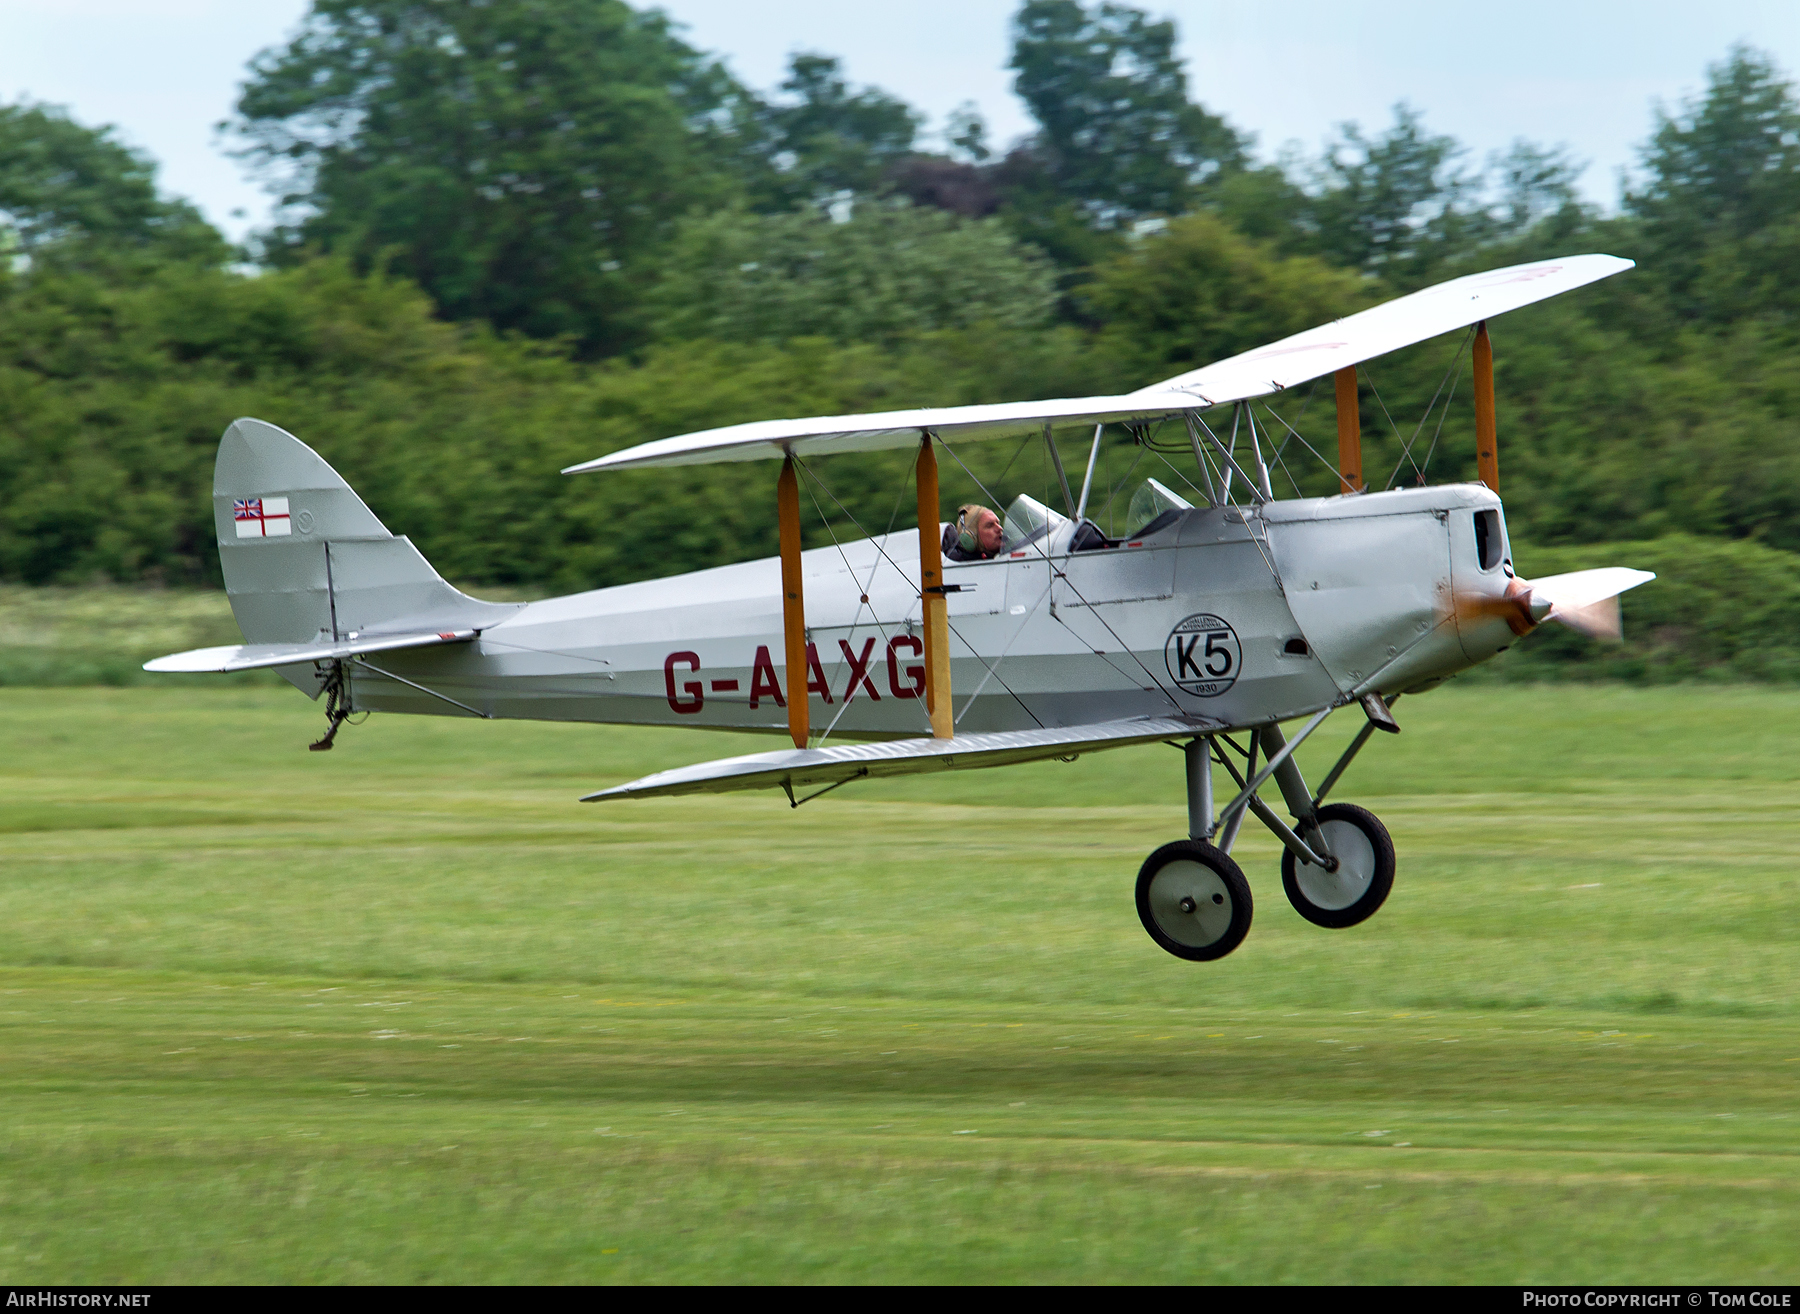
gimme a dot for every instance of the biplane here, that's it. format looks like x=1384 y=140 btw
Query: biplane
x=1224 y=620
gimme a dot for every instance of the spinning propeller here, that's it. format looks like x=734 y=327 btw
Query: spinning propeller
x=1587 y=601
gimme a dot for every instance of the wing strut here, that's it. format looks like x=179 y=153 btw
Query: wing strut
x=1487 y=462
x=931 y=591
x=793 y=603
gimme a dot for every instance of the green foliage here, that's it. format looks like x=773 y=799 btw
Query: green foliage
x=1118 y=137
x=890 y=271
x=1537 y=184
x=1199 y=292
x=77 y=194
x=1062 y=229
x=1639 y=444
x=1372 y=195
x=830 y=140
x=967 y=133
x=520 y=162
x=1265 y=203
x=112 y=398
x=1400 y=205
x=1720 y=205
x=503 y=513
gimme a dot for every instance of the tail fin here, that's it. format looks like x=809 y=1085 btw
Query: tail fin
x=306 y=561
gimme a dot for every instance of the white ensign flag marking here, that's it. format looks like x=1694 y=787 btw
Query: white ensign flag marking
x=261 y=517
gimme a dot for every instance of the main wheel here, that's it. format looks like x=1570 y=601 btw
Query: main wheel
x=1364 y=875
x=1193 y=900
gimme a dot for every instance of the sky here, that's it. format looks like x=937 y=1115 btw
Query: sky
x=1583 y=73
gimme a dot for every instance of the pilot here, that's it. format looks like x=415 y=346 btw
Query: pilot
x=976 y=534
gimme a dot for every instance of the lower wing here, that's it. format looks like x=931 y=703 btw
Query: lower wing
x=802 y=767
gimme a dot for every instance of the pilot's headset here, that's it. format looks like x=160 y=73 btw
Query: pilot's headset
x=967 y=517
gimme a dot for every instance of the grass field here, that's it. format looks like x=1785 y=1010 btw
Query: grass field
x=407 y=1012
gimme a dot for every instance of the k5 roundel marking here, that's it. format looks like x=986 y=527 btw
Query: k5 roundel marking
x=1203 y=655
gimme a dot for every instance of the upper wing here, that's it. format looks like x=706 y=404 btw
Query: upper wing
x=1283 y=364
x=1388 y=327
x=771 y=439
x=797 y=768
x=250 y=656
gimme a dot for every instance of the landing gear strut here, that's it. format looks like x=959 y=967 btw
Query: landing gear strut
x=1337 y=864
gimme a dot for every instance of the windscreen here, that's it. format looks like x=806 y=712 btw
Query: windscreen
x=1151 y=501
x=1028 y=520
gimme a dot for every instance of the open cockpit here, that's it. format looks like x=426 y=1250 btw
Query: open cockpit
x=1032 y=528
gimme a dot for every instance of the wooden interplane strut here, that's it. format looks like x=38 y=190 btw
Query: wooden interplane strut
x=1349 y=420
x=1487 y=461
x=793 y=604
x=931 y=589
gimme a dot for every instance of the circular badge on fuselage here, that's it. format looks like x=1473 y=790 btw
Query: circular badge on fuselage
x=1203 y=655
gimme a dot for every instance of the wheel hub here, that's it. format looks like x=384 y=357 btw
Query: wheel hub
x=1193 y=900
x=1341 y=881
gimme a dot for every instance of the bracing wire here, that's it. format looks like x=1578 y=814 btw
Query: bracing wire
x=1112 y=491
x=1289 y=473
x=1177 y=473
x=1405 y=448
x=894 y=515
x=985 y=490
x=1228 y=457
x=1001 y=477
x=849 y=694
x=882 y=549
x=1442 y=416
x=1103 y=621
x=1454 y=368
x=880 y=626
x=1124 y=647
x=880 y=544
x=1292 y=434
x=1276 y=574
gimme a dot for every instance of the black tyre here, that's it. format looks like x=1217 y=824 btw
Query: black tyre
x=1193 y=900
x=1364 y=875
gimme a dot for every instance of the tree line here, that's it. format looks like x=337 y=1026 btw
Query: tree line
x=520 y=233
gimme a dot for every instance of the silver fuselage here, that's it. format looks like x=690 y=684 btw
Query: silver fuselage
x=1245 y=616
